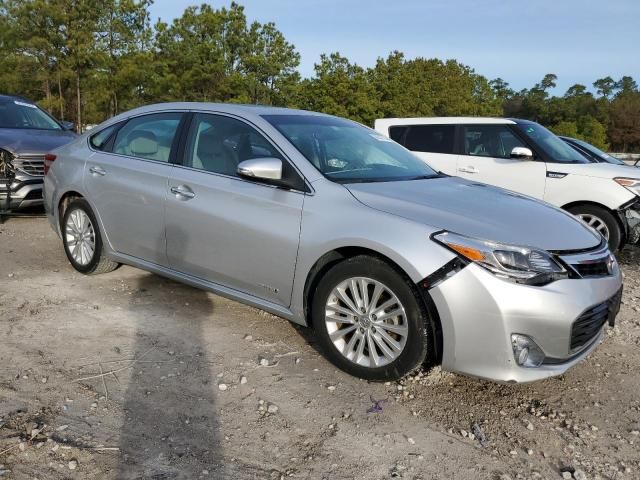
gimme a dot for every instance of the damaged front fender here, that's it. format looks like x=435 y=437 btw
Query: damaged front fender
x=632 y=217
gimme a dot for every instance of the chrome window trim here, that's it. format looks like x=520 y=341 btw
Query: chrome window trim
x=311 y=191
x=126 y=120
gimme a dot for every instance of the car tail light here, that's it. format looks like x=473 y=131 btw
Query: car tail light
x=49 y=158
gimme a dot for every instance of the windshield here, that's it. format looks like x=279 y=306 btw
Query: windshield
x=598 y=153
x=552 y=145
x=17 y=114
x=347 y=152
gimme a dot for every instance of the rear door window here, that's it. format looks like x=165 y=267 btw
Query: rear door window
x=149 y=137
x=430 y=138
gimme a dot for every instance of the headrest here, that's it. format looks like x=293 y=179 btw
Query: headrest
x=209 y=142
x=143 y=142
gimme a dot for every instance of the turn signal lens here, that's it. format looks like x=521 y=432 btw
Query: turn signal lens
x=468 y=252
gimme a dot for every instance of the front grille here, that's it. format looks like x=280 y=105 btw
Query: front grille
x=30 y=164
x=595 y=269
x=596 y=262
x=587 y=326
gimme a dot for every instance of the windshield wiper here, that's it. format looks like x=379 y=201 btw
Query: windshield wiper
x=426 y=177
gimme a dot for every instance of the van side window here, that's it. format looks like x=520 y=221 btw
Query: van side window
x=430 y=138
x=490 y=141
x=396 y=133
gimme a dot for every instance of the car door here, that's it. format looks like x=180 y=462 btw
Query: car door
x=126 y=181
x=238 y=233
x=432 y=143
x=486 y=158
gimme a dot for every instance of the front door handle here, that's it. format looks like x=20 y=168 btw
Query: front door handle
x=468 y=169
x=97 y=171
x=182 y=192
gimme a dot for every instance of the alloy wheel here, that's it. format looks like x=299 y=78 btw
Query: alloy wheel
x=366 y=322
x=80 y=237
x=596 y=223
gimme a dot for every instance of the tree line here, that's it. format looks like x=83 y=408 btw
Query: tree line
x=87 y=60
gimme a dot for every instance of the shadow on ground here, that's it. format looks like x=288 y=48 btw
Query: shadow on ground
x=170 y=428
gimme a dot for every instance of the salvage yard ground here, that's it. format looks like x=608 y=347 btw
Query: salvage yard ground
x=129 y=375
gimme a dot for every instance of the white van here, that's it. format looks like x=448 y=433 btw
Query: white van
x=525 y=157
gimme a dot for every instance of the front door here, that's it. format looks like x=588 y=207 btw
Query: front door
x=127 y=184
x=487 y=158
x=226 y=229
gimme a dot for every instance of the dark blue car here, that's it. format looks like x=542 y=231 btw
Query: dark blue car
x=27 y=133
x=594 y=154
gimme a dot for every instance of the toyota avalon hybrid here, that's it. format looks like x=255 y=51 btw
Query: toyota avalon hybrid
x=332 y=225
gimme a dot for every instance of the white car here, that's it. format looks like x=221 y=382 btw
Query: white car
x=525 y=157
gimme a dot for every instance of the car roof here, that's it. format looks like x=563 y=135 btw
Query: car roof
x=386 y=122
x=4 y=96
x=231 y=108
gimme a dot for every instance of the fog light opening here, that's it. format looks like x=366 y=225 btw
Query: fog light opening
x=526 y=352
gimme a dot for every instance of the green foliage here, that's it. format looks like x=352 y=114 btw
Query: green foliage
x=86 y=60
x=339 y=88
x=567 y=129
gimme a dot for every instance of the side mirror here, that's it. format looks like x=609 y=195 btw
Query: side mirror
x=522 y=153
x=68 y=125
x=266 y=168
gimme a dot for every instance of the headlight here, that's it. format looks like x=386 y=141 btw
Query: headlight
x=632 y=184
x=511 y=262
x=6 y=164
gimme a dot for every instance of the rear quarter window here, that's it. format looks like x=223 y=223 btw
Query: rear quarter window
x=100 y=140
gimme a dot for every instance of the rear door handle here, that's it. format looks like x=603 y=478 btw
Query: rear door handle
x=182 y=192
x=469 y=169
x=98 y=171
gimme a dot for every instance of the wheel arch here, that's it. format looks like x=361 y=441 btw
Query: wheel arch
x=615 y=213
x=64 y=202
x=337 y=255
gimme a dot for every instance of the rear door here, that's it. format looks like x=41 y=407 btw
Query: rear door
x=435 y=144
x=126 y=181
x=225 y=229
x=486 y=158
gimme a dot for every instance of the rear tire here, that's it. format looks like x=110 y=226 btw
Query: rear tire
x=385 y=316
x=603 y=221
x=82 y=240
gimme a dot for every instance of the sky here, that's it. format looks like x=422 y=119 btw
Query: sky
x=517 y=40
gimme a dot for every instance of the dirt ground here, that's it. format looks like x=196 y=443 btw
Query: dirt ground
x=196 y=386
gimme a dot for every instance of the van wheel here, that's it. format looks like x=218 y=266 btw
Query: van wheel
x=82 y=240
x=602 y=221
x=369 y=320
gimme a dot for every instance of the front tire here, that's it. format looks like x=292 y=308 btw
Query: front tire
x=602 y=221
x=82 y=240
x=370 y=321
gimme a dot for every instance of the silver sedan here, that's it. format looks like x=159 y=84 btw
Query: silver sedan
x=327 y=223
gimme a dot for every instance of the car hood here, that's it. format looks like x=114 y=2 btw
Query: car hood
x=478 y=210
x=599 y=170
x=23 y=140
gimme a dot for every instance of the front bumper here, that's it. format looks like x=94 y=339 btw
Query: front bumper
x=26 y=191
x=479 y=312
